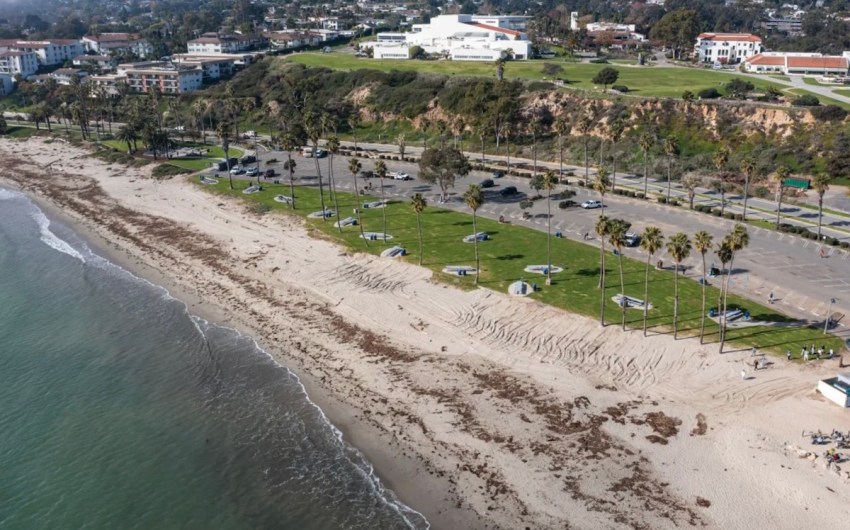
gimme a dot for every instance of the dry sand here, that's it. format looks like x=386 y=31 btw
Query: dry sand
x=479 y=410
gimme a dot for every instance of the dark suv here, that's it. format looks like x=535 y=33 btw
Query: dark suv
x=507 y=192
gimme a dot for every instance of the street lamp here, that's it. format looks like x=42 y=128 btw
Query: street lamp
x=828 y=315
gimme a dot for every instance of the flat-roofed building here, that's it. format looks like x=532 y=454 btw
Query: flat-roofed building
x=170 y=78
x=118 y=44
x=797 y=63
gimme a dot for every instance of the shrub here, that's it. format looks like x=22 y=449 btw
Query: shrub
x=845 y=244
x=687 y=95
x=599 y=60
x=640 y=195
x=552 y=69
x=620 y=88
x=708 y=93
x=716 y=212
x=761 y=192
x=829 y=113
x=728 y=215
x=167 y=170
x=806 y=100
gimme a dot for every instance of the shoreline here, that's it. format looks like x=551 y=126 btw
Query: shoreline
x=530 y=417
x=398 y=473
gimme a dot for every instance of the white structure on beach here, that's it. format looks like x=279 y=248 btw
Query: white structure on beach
x=459 y=37
x=726 y=48
x=836 y=389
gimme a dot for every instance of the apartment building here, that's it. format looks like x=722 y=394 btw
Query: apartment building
x=170 y=78
x=48 y=52
x=14 y=63
x=118 y=44
x=209 y=44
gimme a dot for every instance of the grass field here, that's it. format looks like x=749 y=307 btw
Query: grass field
x=642 y=81
x=843 y=92
x=215 y=153
x=823 y=99
x=513 y=247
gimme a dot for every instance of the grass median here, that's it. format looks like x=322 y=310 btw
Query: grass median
x=513 y=247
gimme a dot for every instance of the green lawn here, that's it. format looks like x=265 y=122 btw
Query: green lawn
x=513 y=247
x=843 y=92
x=823 y=99
x=215 y=153
x=21 y=132
x=651 y=82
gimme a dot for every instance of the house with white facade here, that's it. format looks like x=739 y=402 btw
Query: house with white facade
x=108 y=82
x=14 y=63
x=213 y=67
x=63 y=76
x=209 y=44
x=48 y=52
x=7 y=85
x=458 y=37
x=726 y=48
x=103 y=62
x=798 y=63
x=118 y=44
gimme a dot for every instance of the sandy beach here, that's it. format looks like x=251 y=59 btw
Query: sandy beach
x=478 y=410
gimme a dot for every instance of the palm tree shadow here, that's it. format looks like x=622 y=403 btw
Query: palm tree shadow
x=509 y=257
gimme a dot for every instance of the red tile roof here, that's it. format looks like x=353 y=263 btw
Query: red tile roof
x=731 y=37
x=817 y=62
x=765 y=60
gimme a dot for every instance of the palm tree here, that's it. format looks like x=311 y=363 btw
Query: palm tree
x=617 y=238
x=690 y=182
x=333 y=148
x=671 y=148
x=651 y=241
x=781 y=174
x=313 y=127
x=561 y=128
x=474 y=198
x=585 y=123
x=548 y=183
x=724 y=254
x=401 y=140
x=748 y=167
x=424 y=125
x=381 y=171
x=703 y=243
x=223 y=132
x=820 y=183
x=127 y=133
x=601 y=184
x=720 y=158
x=354 y=168
x=418 y=203
x=736 y=241
x=199 y=109
x=289 y=144
x=679 y=248
x=616 y=132
x=646 y=141
x=353 y=123
x=536 y=129
x=603 y=228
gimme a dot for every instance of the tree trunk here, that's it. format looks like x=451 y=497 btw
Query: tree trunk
x=560 y=156
x=779 y=206
x=384 y=209
x=614 y=169
x=645 y=174
x=359 y=218
x=333 y=190
x=702 y=316
x=646 y=292
x=227 y=158
x=319 y=174
x=746 y=195
x=549 y=236
x=292 y=179
x=669 y=178
x=482 y=150
x=622 y=288
x=725 y=305
x=676 y=301
x=419 y=229
x=820 y=215
x=586 y=166
x=722 y=199
x=602 y=280
x=475 y=241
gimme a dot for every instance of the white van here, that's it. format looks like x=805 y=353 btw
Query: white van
x=307 y=152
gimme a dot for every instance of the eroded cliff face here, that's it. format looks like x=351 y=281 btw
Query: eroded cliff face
x=715 y=117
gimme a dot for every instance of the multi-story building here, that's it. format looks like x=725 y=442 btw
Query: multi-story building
x=48 y=52
x=118 y=44
x=110 y=83
x=216 y=44
x=798 y=63
x=170 y=78
x=726 y=48
x=103 y=62
x=213 y=67
x=7 y=85
x=63 y=76
x=14 y=63
x=459 y=37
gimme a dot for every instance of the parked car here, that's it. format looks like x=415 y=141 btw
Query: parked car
x=567 y=204
x=268 y=174
x=223 y=164
x=487 y=183
x=248 y=159
x=237 y=170
x=507 y=192
x=497 y=174
x=401 y=175
x=249 y=134
x=252 y=171
x=367 y=174
x=321 y=153
x=632 y=239
x=591 y=204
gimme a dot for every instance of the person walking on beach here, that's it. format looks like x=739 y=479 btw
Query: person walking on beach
x=805 y=354
x=770 y=297
x=788 y=355
x=755 y=365
x=743 y=374
x=753 y=352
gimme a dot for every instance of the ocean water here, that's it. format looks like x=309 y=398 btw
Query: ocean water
x=119 y=409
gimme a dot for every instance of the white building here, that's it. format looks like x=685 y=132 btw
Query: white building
x=48 y=52
x=726 y=48
x=63 y=76
x=118 y=44
x=216 y=44
x=459 y=37
x=104 y=62
x=14 y=63
x=798 y=63
x=170 y=78
x=213 y=67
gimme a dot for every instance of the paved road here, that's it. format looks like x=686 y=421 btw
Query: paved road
x=789 y=266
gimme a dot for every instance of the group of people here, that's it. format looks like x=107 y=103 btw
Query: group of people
x=808 y=353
